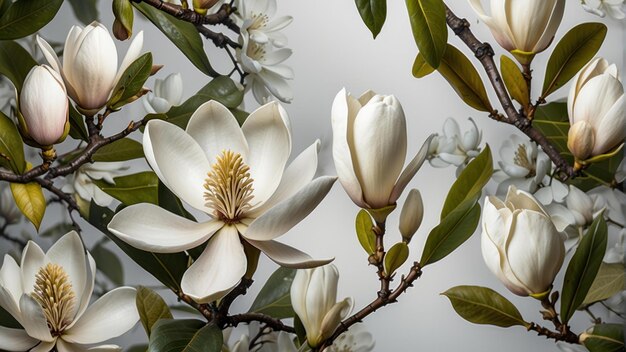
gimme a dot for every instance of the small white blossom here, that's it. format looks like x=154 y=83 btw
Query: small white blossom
x=168 y=92
x=523 y=165
x=81 y=181
x=357 y=339
x=454 y=148
x=615 y=203
x=614 y=8
x=258 y=17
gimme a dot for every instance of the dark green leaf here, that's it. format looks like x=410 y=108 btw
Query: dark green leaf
x=185 y=336
x=421 y=68
x=77 y=125
x=395 y=257
x=274 y=298
x=300 y=331
x=131 y=81
x=120 y=150
x=458 y=70
x=7 y=320
x=171 y=203
x=428 y=22
x=183 y=34
x=151 y=308
x=373 y=13
x=11 y=146
x=109 y=264
x=583 y=268
x=456 y=228
x=85 y=10
x=167 y=268
x=609 y=281
x=514 y=81
x=132 y=189
x=137 y=348
x=605 y=338
x=15 y=62
x=482 y=305
x=365 y=232
x=470 y=182
x=572 y=52
x=25 y=17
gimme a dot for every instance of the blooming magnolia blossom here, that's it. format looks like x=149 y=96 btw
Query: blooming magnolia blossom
x=82 y=183
x=454 y=148
x=89 y=68
x=615 y=202
x=522 y=164
x=258 y=17
x=48 y=294
x=614 y=8
x=357 y=339
x=237 y=176
x=168 y=92
x=282 y=343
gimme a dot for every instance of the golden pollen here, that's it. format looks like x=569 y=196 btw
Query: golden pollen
x=53 y=291
x=229 y=187
x=521 y=159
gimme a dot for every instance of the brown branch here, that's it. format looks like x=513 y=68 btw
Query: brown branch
x=274 y=324
x=178 y=11
x=484 y=53
x=15 y=240
x=569 y=337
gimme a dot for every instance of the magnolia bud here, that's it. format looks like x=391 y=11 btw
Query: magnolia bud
x=123 y=23
x=411 y=215
x=201 y=6
x=580 y=140
x=44 y=106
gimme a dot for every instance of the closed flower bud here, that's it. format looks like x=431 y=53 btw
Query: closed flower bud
x=314 y=299
x=411 y=215
x=44 y=106
x=201 y=6
x=597 y=111
x=168 y=92
x=520 y=244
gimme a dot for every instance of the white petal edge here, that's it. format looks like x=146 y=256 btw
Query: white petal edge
x=16 y=340
x=410 y=170
x=33 y=319
x=287 y=256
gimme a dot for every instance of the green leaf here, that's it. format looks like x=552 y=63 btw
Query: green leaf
x=470 y=182
x=395 y=257
x=605 y=338
x=514 y=81
x=137 y=348
x=421 y=68
x=25 y=17
x=151 y=308
x=15 y=62
x=171 y=203
x=373 y=13
x=428 y=22
x=30 y=200
x=108 y=263
x=274 y=298
x=365 y=231
x=120 y=150
x=583 y=268
x=132 y=189
x=11 y=146
x=7 y=320
x=85 y=10
x=572 y=52
x=482 y=305
x=77 y=125
x=609 y=281
x=57 y=231
x=167 y=268
x=185 y=335
x=183 y=34
x=131 y=81
x=458 y=70
x=456 y=228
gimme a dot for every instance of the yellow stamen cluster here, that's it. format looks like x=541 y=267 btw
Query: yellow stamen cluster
x=229 y=187
x=521 y=159
x=259 y=20
x=53 y=291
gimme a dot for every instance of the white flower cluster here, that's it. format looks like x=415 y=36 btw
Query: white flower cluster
x=454 y=148
x=614 y=8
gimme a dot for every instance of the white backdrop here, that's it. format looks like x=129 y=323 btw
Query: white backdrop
x=333 y=49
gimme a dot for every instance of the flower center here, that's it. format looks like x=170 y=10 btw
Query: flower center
x=259 y=20
x=256 y=51
x=53 y=291
x=521 y=159
x=229 y=187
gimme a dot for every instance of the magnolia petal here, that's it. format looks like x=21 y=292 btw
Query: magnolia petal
x=285 y=343
x=131 y=55
x=335 y=315
x=110 y=316
x=69 y=253
x=16 y=340
x=218 y=269
x=171 y=88
x=550 y=29
x=215 y=129
x=298 y=293
x=44 y=346
x=156 y=105
x=49 y=54
x=596 y=98
x=287 y=256
x=11 y=280
x=410 y=170
x=344 y=111
x=33 y=319
x=33 y=259
x=523 y=200
x=281 y=218
x=87 y=290
x=170 y=151
x=152 y=228
x=269 y=140
x=63 y=346
x=611 y=130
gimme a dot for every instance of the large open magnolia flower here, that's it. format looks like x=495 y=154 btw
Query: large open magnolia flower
x=235 y=175
x=48 y=294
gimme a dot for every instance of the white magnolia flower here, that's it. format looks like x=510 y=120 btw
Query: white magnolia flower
x=597 y=110
x=283 y=342
x=583 y=206
x=237 y=176
x=526 y=26
x=89 y=66
x=615 y=202
x=48 y=294
x=522 y=165
x=8 y=210
x=314 y=299
x=267 y=75
x=257 y=17
x=357 y=339
x=44 y=106
x=615 y=254
x=81 y=181
x=520 y=244
x=168 y=92
x=614 y=8
x=369 y=148
x=454 y=148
